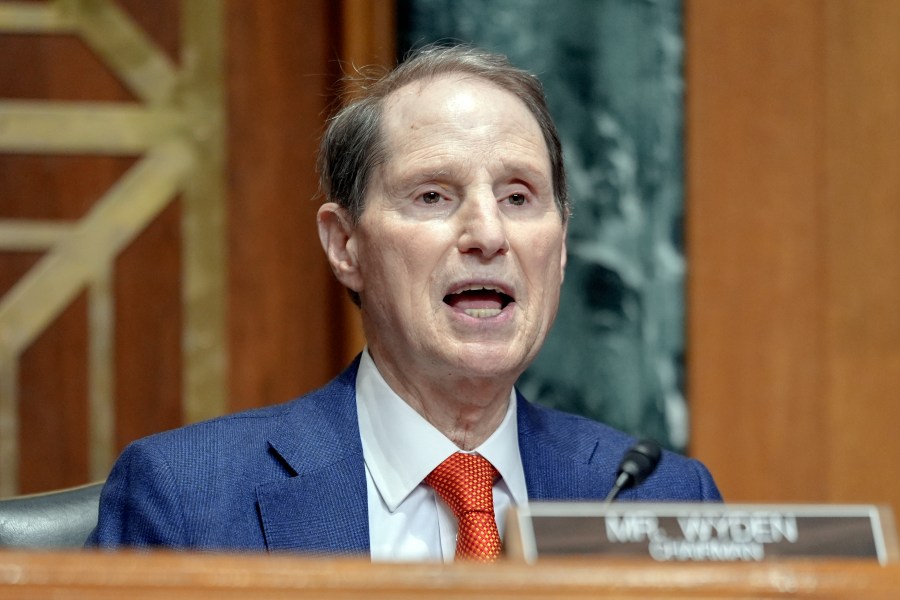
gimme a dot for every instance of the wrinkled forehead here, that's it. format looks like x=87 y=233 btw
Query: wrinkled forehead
x=455 y=102
x=420 y=97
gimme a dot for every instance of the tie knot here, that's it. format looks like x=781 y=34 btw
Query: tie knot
x=465 y=482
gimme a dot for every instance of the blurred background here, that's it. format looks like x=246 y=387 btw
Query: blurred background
x=733 y=277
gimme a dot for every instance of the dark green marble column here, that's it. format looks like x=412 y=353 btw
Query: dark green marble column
x=612 y=71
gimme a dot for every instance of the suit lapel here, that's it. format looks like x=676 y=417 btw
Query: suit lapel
x=323 y=508
x=558 y=465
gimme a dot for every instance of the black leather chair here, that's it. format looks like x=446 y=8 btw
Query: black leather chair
x=57 y=519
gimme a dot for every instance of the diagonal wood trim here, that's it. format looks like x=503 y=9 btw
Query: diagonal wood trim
x=117 y=218
x=127 y=50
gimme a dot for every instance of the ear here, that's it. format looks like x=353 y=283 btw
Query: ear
x=337 y=235
x=565 y=253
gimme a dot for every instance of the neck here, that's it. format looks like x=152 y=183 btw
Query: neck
x=467 y=411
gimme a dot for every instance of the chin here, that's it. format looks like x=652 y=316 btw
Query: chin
x=494 y=363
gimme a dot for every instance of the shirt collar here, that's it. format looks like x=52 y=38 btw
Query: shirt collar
x=401 y=448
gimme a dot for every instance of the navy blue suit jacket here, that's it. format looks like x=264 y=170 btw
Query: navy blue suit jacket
x=291 y=477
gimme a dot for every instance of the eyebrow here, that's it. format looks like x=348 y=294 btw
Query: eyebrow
x=513 y=169
x=414 y=177
x=528 y=170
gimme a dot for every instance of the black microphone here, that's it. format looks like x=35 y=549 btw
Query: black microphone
x=637 y=464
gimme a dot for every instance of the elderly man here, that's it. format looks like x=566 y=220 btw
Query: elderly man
x=446 y=220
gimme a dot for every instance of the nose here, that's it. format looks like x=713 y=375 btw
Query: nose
x=483 y=227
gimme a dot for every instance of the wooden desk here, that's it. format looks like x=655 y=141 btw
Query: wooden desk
x=173 y=576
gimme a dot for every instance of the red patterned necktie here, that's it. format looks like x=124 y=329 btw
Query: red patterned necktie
x=465 y=482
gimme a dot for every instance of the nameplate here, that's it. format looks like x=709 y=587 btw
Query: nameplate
x=706 y=532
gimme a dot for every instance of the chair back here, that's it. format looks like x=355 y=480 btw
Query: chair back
x=57 y=519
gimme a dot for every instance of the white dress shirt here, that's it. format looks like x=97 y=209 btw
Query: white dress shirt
x=407 y=521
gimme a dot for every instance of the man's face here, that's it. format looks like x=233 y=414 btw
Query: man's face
x=460 y=248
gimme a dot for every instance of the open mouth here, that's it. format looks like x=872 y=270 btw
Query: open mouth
x=479 y=302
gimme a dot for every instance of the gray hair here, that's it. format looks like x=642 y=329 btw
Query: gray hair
x=353 y=145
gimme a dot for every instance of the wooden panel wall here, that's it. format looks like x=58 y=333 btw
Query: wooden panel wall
x=793 y=211
x=53 y=375
x=283 y=68
x=288 y=326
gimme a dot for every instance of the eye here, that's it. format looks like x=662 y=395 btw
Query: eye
x=517 y=199
x=431 y=197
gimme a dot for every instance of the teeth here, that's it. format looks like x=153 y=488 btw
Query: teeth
x=482 y=313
